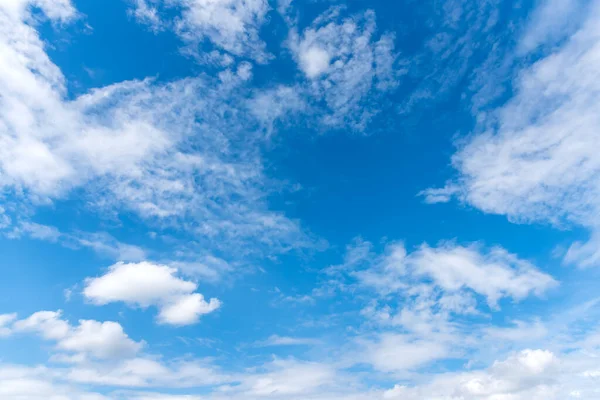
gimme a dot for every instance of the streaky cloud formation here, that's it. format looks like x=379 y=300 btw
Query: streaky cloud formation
x=533 y=158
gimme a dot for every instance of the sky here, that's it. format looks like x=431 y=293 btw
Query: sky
x=285 y=200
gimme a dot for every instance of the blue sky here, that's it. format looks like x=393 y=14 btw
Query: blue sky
x=324 y=200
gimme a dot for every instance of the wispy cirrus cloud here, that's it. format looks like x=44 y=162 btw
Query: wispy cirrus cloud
x=533 y=159
x=172 y=153
x=232 y=26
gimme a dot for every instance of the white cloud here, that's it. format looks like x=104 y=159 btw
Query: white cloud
x=396 y=352
x=100 y=242
x=549 y=22
x=521 y=331
x=60 y=10
x=35 y=231
x=347 y=65
x=314 y=61
x=276 y=340
x=529 y=374
x=103 y=340
x=146 y=284
x=286 y=378
x=47 y=323
x=147 y=372
x=38 y=383
x=159 y=150
x=493 y=273
x=145 y=13
x=231 y=25
x=534 y=158
x=99 y=340
x=186 y=310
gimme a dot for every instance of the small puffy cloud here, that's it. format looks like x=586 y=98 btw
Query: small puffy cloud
x=529 y=374
x=48 y=324
x=187 y=309
x=314 y=61
x=98 y=340
x=103 y=340
x=146 y=284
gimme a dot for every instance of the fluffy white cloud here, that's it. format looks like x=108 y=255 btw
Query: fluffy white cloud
x=530 y=374
x=46 y=323
x=314 y=61
x=98 y=340
x=146 y=284
x=534 y=159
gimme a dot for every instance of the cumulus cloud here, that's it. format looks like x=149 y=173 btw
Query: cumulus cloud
x=98 y=340
x=146 y=284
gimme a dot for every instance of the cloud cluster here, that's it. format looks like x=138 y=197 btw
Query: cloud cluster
x=146 y=284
